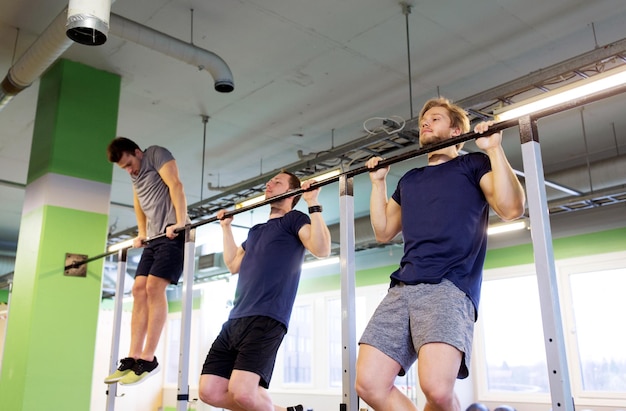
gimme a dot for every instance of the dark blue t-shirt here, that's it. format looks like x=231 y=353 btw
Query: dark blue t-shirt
x=270 y=269
x=444 y=224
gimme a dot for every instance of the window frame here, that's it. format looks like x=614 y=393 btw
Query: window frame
x=564 y=269
x=582 y=265
x=478 y=369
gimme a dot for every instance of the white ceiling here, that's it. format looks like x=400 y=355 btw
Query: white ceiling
x=307 y=75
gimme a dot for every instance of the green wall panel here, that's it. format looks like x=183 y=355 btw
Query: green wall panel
x=51 y=359
x=75 y=122
x=567 y=247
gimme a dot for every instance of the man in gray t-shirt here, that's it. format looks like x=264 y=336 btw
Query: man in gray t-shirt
x=161 y=208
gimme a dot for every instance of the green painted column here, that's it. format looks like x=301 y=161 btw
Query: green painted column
x=51 y=330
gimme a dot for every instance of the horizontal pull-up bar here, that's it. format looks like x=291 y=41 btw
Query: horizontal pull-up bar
x=318 y=184
x=497 y=127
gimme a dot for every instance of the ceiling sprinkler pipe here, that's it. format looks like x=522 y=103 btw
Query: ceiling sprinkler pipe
x=88 y=21
x=51 y=44
x=39 y=56
x=178 y=49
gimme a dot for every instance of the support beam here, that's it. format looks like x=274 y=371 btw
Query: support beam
x=350 y=402
x=117 y=325
x=182 y=398
x=554 y=339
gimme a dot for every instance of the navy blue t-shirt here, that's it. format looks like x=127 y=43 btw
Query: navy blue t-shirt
x=270 y=268
x=444 y=224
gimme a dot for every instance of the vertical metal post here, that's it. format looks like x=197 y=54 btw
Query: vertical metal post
x=122 y=256
x=182 y=399
x=350 y=402
x=554 y=338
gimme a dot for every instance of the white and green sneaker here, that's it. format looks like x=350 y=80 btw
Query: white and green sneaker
x=126 y=366
x=141 y=371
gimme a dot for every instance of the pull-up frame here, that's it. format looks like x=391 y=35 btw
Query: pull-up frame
x=560 y=390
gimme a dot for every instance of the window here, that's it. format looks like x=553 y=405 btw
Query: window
x=335 y=348
x=514 y=351
x=407 y=383
x=173 y=349
x=297 y=346
x=599 y=309
x=509 y=355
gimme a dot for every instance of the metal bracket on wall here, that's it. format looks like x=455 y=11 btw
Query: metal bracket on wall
x=75 y=265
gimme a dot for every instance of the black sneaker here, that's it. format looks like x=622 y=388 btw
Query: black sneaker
x=140 y=372
x=296 y=408
x=126 y=365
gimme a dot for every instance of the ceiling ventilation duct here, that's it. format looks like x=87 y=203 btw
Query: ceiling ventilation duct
x=88 y=21
x=54 y=41
x=178 y=49
x=39 y=56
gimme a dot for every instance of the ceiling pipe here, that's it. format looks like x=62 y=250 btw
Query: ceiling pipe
x=40 y=55
x=53 y=42
x=88 y=21
x=170 y=46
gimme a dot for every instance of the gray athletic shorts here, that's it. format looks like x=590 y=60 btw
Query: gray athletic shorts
x=413 y=315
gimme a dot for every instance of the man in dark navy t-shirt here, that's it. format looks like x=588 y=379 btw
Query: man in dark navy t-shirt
x=239 y=365
x=430 y=308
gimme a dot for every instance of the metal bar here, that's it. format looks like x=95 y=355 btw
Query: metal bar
x=182 y=399
x=554 y=338
x=117 y=323
x=348 y=286
x=500 y=126
x=90 y=259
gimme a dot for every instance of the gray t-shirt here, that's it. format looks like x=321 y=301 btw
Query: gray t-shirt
x=152 y=192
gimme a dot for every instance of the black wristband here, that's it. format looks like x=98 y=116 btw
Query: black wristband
x=315 y=209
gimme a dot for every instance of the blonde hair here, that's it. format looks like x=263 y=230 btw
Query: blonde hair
x=458 y=116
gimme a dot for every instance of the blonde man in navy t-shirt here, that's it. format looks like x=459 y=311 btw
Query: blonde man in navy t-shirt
x=430 y=308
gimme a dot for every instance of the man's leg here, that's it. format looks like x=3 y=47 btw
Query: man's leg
x=437 y=368
x=375 y=376
x=154 y=305
x=139 y=318
x=246 y=392
x=157 y=315
x=213 y=390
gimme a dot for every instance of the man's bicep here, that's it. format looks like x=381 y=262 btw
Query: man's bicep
x=169 y=172
x=393 y=212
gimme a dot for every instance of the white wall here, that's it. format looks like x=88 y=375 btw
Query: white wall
x=146 y=396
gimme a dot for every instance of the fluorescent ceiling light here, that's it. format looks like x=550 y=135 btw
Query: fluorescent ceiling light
x=251 y=201
x=122 y=245
x=506 y=227
x=599 y=82
x=324 y=176
x=321 y=263
x=257 y=199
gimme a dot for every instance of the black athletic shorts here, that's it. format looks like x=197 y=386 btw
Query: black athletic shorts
x=246 y=344
x=163 y=258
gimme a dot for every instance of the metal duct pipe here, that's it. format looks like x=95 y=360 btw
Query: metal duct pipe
x=39 y=56
x=53 y=42
x=152 y=39
x=88 y=21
